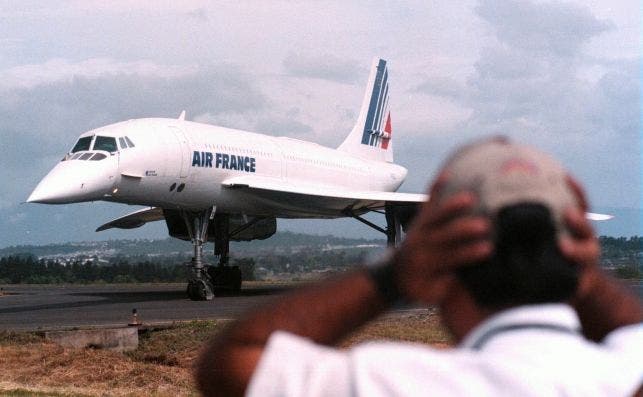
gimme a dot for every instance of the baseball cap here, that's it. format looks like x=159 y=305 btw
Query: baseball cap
x=502 y=174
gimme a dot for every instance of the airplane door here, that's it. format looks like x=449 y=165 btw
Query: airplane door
x=184 y=149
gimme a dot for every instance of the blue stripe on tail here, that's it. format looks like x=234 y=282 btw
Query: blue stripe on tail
x=375 y=103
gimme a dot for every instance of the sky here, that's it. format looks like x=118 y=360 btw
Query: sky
x=564 y=76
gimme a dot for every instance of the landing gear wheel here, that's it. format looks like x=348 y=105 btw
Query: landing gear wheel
x=235 y=279
x=200 y=290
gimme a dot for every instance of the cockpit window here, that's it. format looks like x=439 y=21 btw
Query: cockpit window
x=122 y=142
x=129 y=142
x=98 y=156
x=85 y=156
x=106 y=143
x=82 y=144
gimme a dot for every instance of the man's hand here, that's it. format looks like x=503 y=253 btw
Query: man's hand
x=581 y=246
x=445 y=235
x=602 y=303
x=583 y=249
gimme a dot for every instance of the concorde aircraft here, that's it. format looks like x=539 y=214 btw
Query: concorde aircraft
x=217 y=184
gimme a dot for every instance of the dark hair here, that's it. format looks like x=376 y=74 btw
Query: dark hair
x=527 y=267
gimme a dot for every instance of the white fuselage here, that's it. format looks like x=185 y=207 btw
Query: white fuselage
x=180 y=164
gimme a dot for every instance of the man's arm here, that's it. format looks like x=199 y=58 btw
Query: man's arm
x=327 y=312
x=323 y=313
x=603 y=304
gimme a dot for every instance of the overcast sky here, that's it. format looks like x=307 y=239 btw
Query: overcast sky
x=563 y=75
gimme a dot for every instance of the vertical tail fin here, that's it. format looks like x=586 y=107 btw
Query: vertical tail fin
x=371 y=136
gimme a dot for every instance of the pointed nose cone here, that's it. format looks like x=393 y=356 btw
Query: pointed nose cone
x=52 y=190
x=75 y=181
x=42 y=194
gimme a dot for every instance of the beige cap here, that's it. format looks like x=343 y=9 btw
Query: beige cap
x=502 y=173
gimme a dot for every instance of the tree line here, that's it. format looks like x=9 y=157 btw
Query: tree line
x=621 y=245
x=621 y=255
x=29 y=270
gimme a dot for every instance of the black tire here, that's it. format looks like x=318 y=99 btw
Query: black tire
x=191 y=291
x=235 y=279
x=225 y=279
x=198 y=290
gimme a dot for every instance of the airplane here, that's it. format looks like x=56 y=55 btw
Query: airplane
x=211 y=183
x=216 y=184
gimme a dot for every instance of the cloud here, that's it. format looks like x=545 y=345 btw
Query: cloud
x=58 y=93
x=534 y=81
x=617 y=101
x=262 y=122
x=286 y=126
x=442 y=86
x=531 y=79
x=552 y=27
x=63 y=70
x=325 y=67
x=127 y=6
x=199 y=14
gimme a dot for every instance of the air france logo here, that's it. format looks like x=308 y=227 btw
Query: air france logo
x=224 y=161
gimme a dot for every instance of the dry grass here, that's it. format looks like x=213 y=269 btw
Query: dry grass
x=420 y=327
x=161 y=366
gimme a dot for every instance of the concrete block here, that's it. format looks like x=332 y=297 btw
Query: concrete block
x=116 y=339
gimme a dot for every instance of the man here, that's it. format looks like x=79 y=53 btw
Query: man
x=503 y=248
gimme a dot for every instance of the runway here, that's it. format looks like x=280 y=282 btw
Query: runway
x=46 y=307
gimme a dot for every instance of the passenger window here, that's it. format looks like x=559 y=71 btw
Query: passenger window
x=98 y=156
x=85 y=156
x=82 y=144
x=122 y=142
x=106 y=143
x=129 y=142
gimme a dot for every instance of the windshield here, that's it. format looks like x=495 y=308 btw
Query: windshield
x=82 y=144
x=106 y=143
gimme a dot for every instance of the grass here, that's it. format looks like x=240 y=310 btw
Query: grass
x=162 y=364
x=424 y=327
x=18 y=338
x=36 y=393
x=176 y=346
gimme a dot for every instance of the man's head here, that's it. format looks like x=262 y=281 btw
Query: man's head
x=524 y=193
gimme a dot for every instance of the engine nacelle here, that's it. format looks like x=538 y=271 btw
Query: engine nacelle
x=238 y=228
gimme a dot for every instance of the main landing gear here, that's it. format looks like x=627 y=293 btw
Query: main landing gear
x=394 y=218
x=206 y=281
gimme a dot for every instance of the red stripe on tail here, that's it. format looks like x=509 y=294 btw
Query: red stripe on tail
x=388 y=130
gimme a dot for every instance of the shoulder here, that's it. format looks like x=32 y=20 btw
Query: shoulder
x=628 y=339
x=295 y=366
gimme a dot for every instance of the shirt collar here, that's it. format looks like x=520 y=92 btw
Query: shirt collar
x=555 y=314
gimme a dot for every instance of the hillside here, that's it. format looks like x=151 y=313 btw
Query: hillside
x=280 y=243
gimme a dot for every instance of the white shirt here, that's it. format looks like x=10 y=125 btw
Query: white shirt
x=525 y=351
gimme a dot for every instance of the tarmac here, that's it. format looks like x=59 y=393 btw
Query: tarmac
x=53 y=307
x=59 y=307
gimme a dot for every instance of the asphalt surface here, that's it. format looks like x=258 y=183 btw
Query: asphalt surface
x=46 y=307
